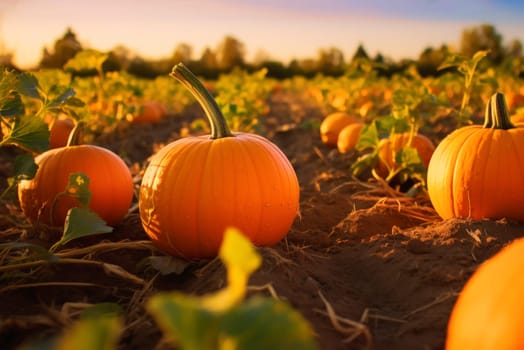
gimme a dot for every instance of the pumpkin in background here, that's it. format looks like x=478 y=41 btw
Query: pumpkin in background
x=388 y=148
x=489 y=312
x=517 y=119
x=333 y=124
x=59 y=132
x=148 y=113
x=348 y=137
x=60 y=127
x=477 y=171
x=196 y=187
x=110 y=184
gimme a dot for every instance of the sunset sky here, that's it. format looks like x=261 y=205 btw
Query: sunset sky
x=283 y=29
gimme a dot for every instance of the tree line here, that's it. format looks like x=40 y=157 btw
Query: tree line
x=231 y=53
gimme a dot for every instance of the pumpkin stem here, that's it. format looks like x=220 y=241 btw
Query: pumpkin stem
x=216 y=119
x=497 y=114
x=75 y=136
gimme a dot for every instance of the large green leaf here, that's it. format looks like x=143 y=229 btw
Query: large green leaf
x=28 y=86
x=223 y=320
x=263 y=323
x=81 y=222
x=29 y=132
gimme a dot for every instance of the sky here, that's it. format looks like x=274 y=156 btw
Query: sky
x=283 y=29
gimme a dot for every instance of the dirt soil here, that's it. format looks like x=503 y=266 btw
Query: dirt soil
x=368 y=267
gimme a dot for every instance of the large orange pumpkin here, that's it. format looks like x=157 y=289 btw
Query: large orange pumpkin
x=110 y=184
x=478 y=171
x=489 y=312
x=332 y=124
x=196 y=187
x=389 y=147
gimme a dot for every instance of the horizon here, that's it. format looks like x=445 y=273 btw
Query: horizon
x=293 y=30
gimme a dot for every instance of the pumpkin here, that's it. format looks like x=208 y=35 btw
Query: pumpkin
x=110 y=184
x=151 y=112
x=477 y=171
x=348 y=137
x=388 y=148
x=517 y=119
x=333 y=124
x=59 y=132
x=196 y=187
x=489 y=312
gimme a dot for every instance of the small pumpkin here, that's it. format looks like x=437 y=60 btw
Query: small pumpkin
x=348 y=137
x=196 y=187
x=517 y=119
x=488 y=314
x=331 y=126
x=110 y=184
x=150 y=112
x=476 y=171
x=388 y=147
x=59 y=132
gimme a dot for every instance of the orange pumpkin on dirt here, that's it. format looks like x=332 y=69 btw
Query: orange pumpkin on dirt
x=196 y=187
x=110 y=184
x=388 y=147
x=333 y=124
x=148 y=113
x=475 y=171
x=489 y=312
x=348 y=137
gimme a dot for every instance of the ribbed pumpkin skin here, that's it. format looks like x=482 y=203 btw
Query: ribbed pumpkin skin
x=477 y=173
x=196 y=187
x=489 y=312
x=110 y=183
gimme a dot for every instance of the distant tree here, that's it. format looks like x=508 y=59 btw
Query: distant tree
x=483 y=37
x=515 y=48
x=65 y=48
x=183 y=53
x=330 y=61
x=119 y=59
x=230 y=54
x=360 y=53
x=430 y=59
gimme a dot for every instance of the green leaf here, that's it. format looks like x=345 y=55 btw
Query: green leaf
x=75 y=102
x=221 y=320
x=100 y=333
x=28 y=86
x=81 y=222
x=368 y=137
x=241 y=260
x=11 y=105
x=78 y=188
x=38 y=250
x=61 y=99
x=24 y=166
x=86 y=60
x=185 y=320
x=29 y=132
x=263 y=323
